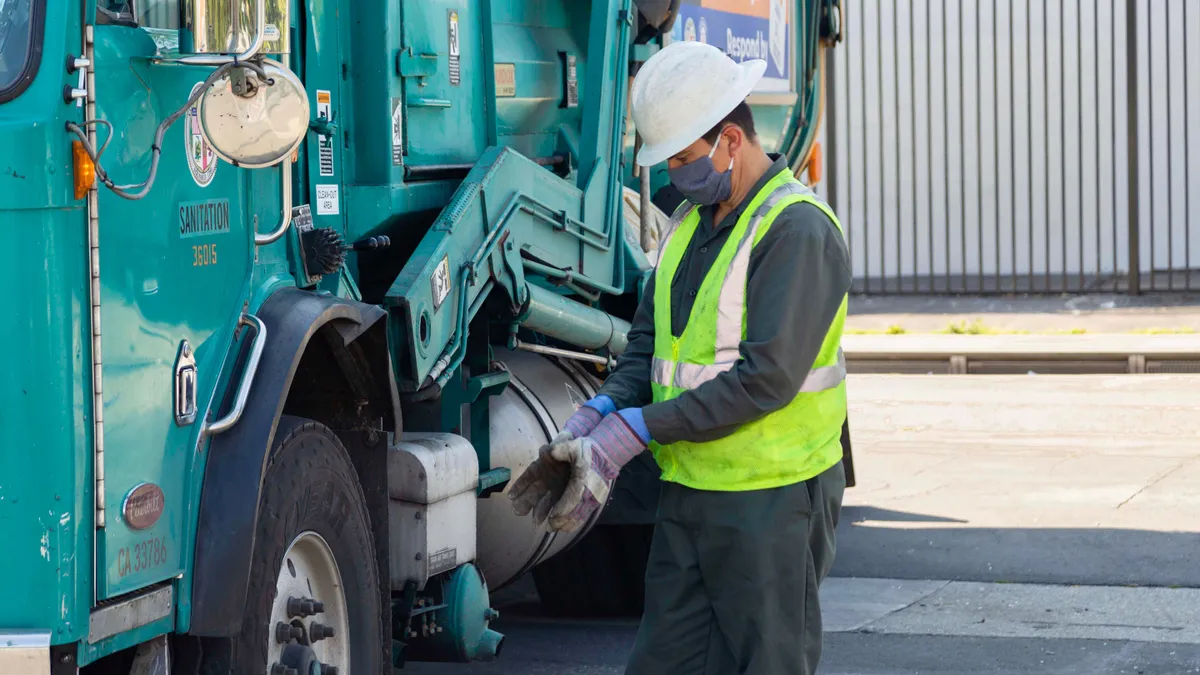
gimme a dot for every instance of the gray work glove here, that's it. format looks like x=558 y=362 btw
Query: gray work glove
x=542 y=485
x=595 y=462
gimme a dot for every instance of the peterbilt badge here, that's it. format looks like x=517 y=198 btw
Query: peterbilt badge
x=143 y=506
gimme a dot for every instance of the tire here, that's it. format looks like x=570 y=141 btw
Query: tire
x=310 y=488
x=602 y=575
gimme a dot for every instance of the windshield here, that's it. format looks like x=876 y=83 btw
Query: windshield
x=16 y=43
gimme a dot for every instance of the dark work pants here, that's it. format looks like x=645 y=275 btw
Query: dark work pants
x=731 y=582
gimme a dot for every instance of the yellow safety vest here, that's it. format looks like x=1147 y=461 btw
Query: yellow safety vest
x=792 y=444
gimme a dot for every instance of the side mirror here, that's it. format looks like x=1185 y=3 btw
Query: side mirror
x=251 y=122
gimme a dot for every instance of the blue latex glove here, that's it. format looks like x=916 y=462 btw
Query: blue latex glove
x=602 y=403
x=633 y=417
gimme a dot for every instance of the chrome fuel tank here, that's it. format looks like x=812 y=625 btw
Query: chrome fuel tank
x=542 y=395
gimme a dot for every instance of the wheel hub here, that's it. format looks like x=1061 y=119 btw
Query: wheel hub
x=309 y=626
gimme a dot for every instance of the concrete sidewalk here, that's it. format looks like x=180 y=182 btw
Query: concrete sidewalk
x=966 y=608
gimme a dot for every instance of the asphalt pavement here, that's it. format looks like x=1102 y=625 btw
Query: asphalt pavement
x=1001 y=525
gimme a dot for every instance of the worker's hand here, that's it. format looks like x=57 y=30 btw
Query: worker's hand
x=595 y=460
x=541 y=486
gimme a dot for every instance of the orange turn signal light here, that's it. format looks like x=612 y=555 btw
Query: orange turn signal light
x=85 y=170
x=814 y=164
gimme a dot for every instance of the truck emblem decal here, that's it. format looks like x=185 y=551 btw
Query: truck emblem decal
x=201 y=159
x=143 y=506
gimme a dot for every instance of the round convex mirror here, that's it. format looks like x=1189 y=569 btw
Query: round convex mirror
x=260 y=126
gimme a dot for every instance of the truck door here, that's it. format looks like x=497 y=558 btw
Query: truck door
x=174 y=269
x=322 y=169
x=443 y=73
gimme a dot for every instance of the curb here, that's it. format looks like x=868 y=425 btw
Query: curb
x=1022 y=354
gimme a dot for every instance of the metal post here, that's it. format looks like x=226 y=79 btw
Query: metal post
x=912 y=107
x=644 y=215
x=899 y=153
x=883 y=274
x=946 y=135
x=1046 y=143
x=1187 y=162
x=1170 y=170
x=1150 y=184
x=866 y=161
x=1131 y=137
x=929 y=138
x=962 y=157
x=979 y=143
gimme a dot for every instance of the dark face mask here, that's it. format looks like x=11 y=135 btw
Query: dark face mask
x=700 y=182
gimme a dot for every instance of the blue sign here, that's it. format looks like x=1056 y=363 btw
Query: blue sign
x=743 y=35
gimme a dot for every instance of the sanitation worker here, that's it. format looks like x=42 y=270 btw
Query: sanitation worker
x=735 y=379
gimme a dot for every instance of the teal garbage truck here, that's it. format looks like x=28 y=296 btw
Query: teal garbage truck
x=301 y=285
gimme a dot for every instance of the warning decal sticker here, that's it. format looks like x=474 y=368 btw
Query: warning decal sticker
x=440 y=283
x=506 y=79
x=327 y=200
x=455 y=72
x=325 y=143
x=397 y=131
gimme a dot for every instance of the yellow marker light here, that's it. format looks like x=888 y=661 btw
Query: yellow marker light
x=85 y=170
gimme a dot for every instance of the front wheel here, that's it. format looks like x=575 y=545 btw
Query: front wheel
x=313 y=599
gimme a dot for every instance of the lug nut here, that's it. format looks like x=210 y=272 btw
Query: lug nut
x=318 y=631
x=328 y=670
x=304 y=607
x=297 y=606
x=286 y=632
x=280 y=669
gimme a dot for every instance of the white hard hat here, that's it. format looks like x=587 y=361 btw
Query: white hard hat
x=682 y=92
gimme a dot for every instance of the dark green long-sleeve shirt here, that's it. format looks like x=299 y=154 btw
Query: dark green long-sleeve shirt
x=799 y=274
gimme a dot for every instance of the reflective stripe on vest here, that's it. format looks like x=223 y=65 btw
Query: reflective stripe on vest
x=692 y=375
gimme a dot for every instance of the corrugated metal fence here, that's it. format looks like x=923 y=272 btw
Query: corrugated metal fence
x=984 y=146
